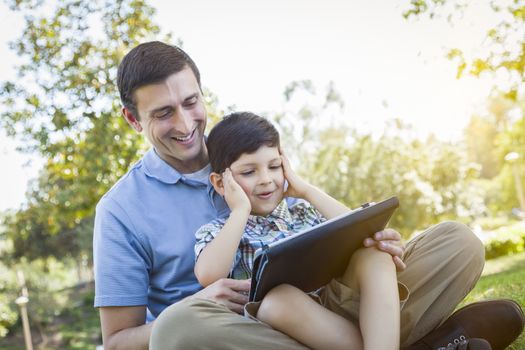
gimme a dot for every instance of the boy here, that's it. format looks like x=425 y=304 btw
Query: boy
x=249 y=170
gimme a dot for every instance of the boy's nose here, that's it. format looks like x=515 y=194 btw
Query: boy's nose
x=265 y=178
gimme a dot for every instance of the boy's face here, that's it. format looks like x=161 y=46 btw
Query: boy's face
x=173 y=117
x=260 y=175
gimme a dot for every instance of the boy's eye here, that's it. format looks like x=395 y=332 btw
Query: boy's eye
x=247 y=173
x=275 y=166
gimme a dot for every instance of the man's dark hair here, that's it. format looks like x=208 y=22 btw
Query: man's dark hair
x=236 y=134
x=150 y=63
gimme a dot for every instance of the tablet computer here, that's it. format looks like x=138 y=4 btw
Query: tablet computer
x=310 y=259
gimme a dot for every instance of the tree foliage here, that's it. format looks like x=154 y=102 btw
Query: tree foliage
x=64 y=105
x=506 y=41
x=432 y=179
x=501 y=131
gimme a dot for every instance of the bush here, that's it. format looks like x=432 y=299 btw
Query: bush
x=8 y=309
x=504 y=241
x=492 y=223
x=46 y=300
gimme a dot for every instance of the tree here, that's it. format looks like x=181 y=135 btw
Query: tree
x=432 y=179
x=506 y=41
x=65 y=106
x=502 y=131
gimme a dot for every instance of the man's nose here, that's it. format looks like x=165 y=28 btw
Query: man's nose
x=183 y=121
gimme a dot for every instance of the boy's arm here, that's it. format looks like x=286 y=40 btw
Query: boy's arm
x=329 y=207
x=297 y=187
x=215 y=260
x=387 y=240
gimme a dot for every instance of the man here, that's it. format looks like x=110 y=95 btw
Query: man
x=144 y=237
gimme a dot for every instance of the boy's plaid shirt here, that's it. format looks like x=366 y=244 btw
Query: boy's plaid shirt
x=282 y=222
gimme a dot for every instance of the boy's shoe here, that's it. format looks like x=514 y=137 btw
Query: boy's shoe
x=499 y=322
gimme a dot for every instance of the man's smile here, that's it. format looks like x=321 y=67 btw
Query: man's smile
x=187 y=139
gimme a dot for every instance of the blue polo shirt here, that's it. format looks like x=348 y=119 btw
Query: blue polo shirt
x=144 y=236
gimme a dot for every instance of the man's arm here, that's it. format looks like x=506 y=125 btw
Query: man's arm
x=124 y=328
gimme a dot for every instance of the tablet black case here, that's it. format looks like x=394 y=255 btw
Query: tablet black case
x=310 y=259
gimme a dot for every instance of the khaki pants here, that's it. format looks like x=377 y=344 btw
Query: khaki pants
x=443 y=265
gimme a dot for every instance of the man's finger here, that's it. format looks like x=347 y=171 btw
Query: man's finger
x=237 y=285
x=238 y=308
x=238 y=298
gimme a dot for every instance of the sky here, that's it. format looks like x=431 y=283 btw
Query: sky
x=248 y=51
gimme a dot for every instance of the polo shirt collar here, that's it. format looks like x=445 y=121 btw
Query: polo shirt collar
x=157 y=168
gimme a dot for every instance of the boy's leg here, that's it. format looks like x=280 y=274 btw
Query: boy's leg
x=443 y=265
x=291 y=311
x=368 y=292
x=202 y=324
x=372 y=274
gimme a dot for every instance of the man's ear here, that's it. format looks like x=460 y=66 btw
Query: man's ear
x=216 y=181
x=131 y=119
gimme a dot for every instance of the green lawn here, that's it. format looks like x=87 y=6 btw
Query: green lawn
x=503 y=278
x=78 y=326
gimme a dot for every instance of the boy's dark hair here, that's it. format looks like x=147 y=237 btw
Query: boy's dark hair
x=150 y=63
x=236 y=134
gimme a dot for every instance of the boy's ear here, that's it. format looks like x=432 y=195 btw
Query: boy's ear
x=216 y=181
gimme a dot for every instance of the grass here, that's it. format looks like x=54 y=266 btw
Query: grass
x=503 y=278
x=78 y=326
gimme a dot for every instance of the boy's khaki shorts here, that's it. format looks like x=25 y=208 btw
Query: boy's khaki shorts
x=336 y=297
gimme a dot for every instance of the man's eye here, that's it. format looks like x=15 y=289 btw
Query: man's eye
x=191 y=101
x=163 y=115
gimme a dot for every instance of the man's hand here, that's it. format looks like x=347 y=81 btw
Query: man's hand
x=388 y=241
x=297 y=187
x=228 y=292
x=234 y=194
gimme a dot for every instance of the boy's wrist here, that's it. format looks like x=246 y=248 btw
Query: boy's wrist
x=241 y=212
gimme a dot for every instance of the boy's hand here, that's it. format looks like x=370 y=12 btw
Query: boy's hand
x=234 y=194
x=389 y=241
x=297 y=187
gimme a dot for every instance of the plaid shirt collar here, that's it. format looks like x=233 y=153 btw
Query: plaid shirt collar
x=279 y=216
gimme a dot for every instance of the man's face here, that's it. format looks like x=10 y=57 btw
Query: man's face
x=173 y=117
x=261 y=177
